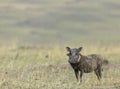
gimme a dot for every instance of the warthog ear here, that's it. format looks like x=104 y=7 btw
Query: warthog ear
x=79 y=49
x=68 y=49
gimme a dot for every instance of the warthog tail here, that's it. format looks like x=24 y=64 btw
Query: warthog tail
x=105 y=62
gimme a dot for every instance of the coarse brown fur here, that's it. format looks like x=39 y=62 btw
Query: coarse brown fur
x=85 y=64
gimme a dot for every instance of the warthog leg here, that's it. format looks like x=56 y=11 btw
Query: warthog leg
x=76 y=74
x=81 y=73
x=97 y=73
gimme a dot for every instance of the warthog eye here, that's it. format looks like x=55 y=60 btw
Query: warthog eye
x=68 y=54
x=77 y=54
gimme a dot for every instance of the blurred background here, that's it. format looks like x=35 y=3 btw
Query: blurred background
x=59 y=22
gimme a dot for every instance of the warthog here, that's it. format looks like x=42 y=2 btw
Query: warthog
x=84 y=64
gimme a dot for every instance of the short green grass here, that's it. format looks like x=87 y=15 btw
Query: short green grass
x=22 y=68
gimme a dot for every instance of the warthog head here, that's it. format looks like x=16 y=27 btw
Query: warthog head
x=74 y=54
